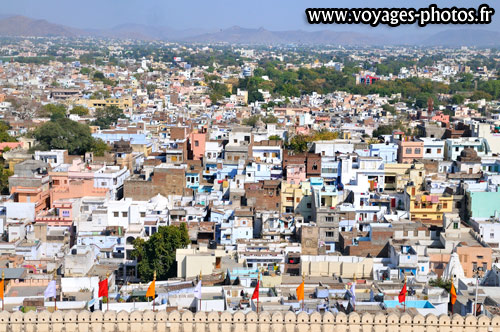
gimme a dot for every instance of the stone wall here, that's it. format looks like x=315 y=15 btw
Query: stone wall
x=148 y=321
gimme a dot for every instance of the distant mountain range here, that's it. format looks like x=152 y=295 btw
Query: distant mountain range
x=24 y=26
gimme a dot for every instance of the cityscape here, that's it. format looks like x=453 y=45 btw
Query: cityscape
x=212 y=185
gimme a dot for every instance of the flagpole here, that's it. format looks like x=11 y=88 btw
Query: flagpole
x=354 y=302
x=258 y=282
x=303 y=295
x=451 y=295
x=3 y=289
x=200 y=285
x=107 y=297
x=154 y=279
x=55 y=293
x=406 y=292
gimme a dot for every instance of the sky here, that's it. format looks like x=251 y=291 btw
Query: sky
x=215 y=14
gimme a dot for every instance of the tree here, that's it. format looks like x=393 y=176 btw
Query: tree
x=251 y=121
x=444 y=284
x=158 y=252
x=457 y=99
x=389 y=108
x=4 y=134
x=274 y=138
x=108 y=116
x=54 y=111
x=298 y=143
x=270 y=119
x=99 y=76
x=478 y=95
x=79 y=110
x=100 y=147
x=64 y=134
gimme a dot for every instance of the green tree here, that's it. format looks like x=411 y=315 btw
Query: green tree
x=107 y=116
x=298 y=143
x=54 y=111
x=444 y=284
x=478 y=95
x=100 y=147
x=270 y=119
x=251 y=121
x=64 y=134
x=4 y=134
x=79 y=110
x=274 y=138
x=457 y=99
x=158 y=252
x=99 y=76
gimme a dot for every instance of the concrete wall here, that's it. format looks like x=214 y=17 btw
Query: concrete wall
x=148 y=321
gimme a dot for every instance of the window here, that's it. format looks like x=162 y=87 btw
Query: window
x=143 y=214
x=408 y=150
x=124 y=214
x=485 y=267
x=428 y=150
x=309 y=205
x=445 y=205
x=115 y=214
x=330 y=234
x=297 y=200
x=196 y=143
x=492 y=235
x=329 y=219
x=439 y=150
x=315 y=167
x=455 y=225
x=456 y=149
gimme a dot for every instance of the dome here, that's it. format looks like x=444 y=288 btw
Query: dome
x=468 y=155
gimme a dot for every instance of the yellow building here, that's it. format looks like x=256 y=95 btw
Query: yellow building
x=296 y=198
x=122 y=103
x=397 y=176
x=428 y=208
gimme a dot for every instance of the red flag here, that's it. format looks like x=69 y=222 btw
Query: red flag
x=103 y=288
x=255 y=294
x=402 y=294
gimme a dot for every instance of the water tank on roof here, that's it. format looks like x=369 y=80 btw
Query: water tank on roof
x=212 y=244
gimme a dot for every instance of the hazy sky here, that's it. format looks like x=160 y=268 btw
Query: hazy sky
x=211 y=14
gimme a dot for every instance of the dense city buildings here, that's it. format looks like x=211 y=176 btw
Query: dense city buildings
x=161 y=176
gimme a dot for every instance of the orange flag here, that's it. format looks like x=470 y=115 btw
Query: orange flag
x=151 y=290
x=300 y=291
x=1 y=289
x=453 y=293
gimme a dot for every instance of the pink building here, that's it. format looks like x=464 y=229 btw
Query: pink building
x=10 y=146
x=409 y=149
x=198 y=140
x=441 y=117
x=75 y=182
x=295 y=173
x=61 y=215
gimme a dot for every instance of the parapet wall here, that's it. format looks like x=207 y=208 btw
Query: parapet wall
x=148 y=321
